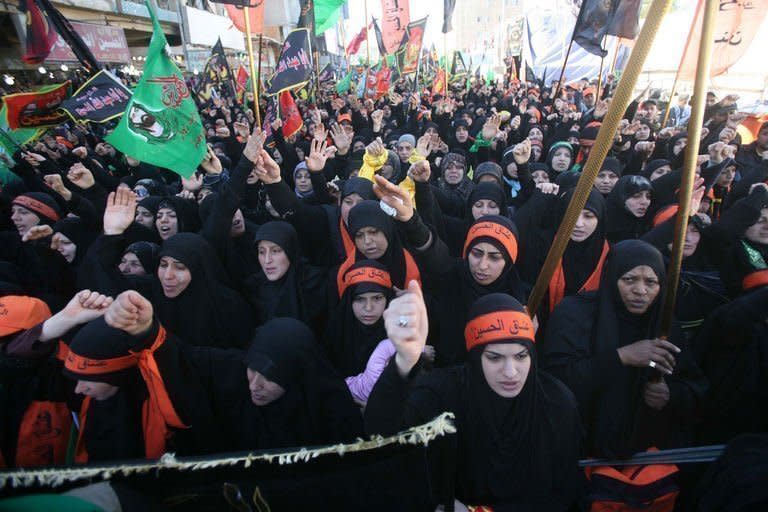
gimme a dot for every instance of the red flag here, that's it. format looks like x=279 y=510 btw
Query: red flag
x=242 y=82
x=40 y=34
x=289 y=112
x=383 y=77
x=439 y=86
x=256 y=15
x=357 y=41
x=736 y=25
x=396 y=16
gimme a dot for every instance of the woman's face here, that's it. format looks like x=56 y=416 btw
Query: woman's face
x=638 y=203
x=486 y=263
x=453 y=174
x=349 y=202
x=23 y=219
x=299 y=153
x=167 y=223
x=64 y=246
x=483 y=207
x=369 y=307
x=725 y=179
x=561 y=159
x=540 y=176
x=371 y=242
x=462 y=134
x=605 y=182
x=96 y=390
x=536 y=134
x=512 y=170
x=358 y=146
x=263 y=391
x=585 y=226
x=130 y=265
x=536 y=153
x=303 y=181
x=758 y=232
x=639 y=288
x=660 y=171
x=643 y=132
x=174 y=276
x=692 y=237
x=273 y=259
x=679 y=145
x=506 y=367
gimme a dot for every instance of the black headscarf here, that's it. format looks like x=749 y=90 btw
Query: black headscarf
x=621 y=223
x=317 y=403
x=512 y=452
x=370 y=214
x=186 y=213
x=283 y=297
x=79 y=234
x=349 y=342
x=147 y=254
x=581 y=258
x=208 y=312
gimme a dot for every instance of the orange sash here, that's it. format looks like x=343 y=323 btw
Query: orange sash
x=557 y=283
x=411 y=271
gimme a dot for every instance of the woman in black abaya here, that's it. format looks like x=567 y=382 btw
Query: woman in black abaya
x=634 y=391
x=627 y=209
x=518 y=427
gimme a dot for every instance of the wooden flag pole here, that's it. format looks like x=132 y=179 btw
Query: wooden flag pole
x=367 y=41
x=254 y=81
x=703 y=65
x=603 y=144
x=258 y=79
x=562 y=71
x=615 y=56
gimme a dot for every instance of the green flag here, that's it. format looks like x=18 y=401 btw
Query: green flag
x=344 y=84
x=161 y=125
x=326 y=14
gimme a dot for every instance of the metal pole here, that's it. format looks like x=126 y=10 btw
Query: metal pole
x=254 y=80
x=599 y=80
x=689 y=167
x=603 y=144
x=669 y=103
x=258 y=80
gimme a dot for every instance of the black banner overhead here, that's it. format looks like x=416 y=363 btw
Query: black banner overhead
x=217 y=76
x=98 y=100
x=294 y=67
x=593 y=23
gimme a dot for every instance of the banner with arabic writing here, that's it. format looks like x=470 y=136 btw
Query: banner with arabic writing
x=294 y=67
x=396 y=15
x=102 y=98
x=736 y=25
x=38 y=108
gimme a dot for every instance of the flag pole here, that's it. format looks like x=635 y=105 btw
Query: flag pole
x=254 y=81
x=600 y=76
x=367 y=40
x=690 y=164
x=621 y=99
x=445 y=63
x=562 y=71
x=258 y=80
x=616 y=55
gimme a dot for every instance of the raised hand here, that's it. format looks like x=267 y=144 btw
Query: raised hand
x=241 y=129
x=716 y=152
x=80 y=176
x=120 y=211
x=341 y=140
x=697 y=196
x=33 y=159
x=56 y=184
x=193 y=183
x=376 y=117
x=321 y=134
x=420 y=171
x=423 y=145
x=267 y=169
x=85 y=306
x=317 y=155
x=601 y=108
x=407 y=327
x=491 y=127
x=254 y=145
x=395 y=197
x=130 y=312
x=522 y=152
x=548 y=188
x=375 y=148
x=37 y=232
x=211 y=163
x=276 y=125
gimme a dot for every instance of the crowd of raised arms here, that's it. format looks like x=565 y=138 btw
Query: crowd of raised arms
x=370 y=272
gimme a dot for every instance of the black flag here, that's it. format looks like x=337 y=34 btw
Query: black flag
x=593 y=23
x=448 y=7
x=458 y=67
x=216 y=75
x=626 y=19
x=102 y=98
x=294 y=67
x=379 y=38
x=72 y=38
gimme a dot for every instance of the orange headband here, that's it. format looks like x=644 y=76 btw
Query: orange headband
x=36 y=206
x=86 y=366
x=366 y=275
x=665 y=214
x=498 y=326
x=497 y=232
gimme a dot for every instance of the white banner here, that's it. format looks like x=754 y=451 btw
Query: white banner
x=205 y=28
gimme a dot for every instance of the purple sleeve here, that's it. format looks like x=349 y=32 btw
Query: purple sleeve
x=361 y=385
x=27 y=346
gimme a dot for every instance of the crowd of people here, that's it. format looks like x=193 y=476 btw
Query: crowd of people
x=371 y=271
